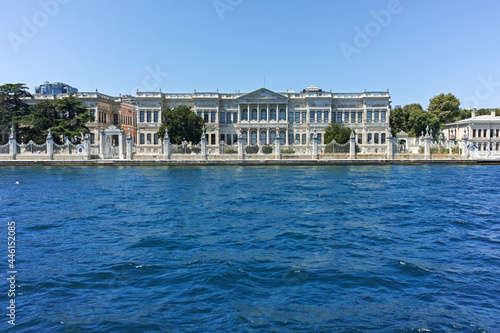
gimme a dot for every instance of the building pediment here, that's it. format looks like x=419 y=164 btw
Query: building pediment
x=262 y=94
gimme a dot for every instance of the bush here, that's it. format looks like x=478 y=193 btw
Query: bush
x=230 y=151
x=267 y=149
x=252 y=149
x=329 y=149
x=288 y=151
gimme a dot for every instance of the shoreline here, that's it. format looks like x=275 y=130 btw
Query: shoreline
x=153 y=162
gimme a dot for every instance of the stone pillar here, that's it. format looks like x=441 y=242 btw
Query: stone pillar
x=102 y=143
x=203 y=145
x=12 y=144
x=315 y=146
x=86 y=146
x=390 y=146
x=166 y=145
x=465 y=148
x=427 y=145
x=277 y=149
x=121 y=144
x=352 y=146
x=50 y=145
x=130 y=144
x=241 y=152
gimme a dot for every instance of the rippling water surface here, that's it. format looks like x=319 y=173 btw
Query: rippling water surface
x=254 y=249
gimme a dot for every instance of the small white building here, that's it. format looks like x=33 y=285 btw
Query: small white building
x=480 y=131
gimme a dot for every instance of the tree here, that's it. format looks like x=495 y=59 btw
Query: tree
x=419 y=120
x=338 y=133
x=445 y=107
x=182 y=124
x=398 y=120
x=12 y=107
x=66 y=117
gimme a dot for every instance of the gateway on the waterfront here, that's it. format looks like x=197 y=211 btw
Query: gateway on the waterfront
x=263 y=116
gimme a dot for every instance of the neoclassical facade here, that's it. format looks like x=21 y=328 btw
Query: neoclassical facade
x=263 y=116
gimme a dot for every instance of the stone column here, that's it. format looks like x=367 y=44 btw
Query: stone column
x=50 y=145
x=465 y=149
x=315 y=146
x=12 y=144
x=427 y=145
x=129 y=146
x=121 y=145
x=86 y=145
x=390 y=146
x=352 y=147
x=287 y=139
x=102 y=143
x=203 y=145
x=166 y=145
x=277 y=149
x=241 y=152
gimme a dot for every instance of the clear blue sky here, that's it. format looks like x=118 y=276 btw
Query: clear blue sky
x=422 y=49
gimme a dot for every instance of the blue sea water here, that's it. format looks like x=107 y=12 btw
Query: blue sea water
x=253 y=248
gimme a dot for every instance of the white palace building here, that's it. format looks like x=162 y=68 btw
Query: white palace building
x=262 y=116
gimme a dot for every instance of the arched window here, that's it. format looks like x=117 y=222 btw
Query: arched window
x=382 y=138
x=254 y=114
x=272 y=136
x=244 y=116
x=149 y=138
x=141 y=139
x=244 y=137
x=263 y=137
x=253 y=137
x=156 y=139
x=228 y=138
x=272 y=115
x=222 y=137
x=263 y=114
x=235 y=138
x=282 y=114
x=304 y=139
x=297 y=139
x=319 y=137
x=282 y=137
x=212 y=139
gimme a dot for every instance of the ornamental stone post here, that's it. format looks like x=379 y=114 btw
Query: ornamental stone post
x=130 y=152
x=121 y=144
x=315 y=146
x=86 y=145
x=203 y=145
x=277 y=148
x=465 y=148
x=102 y=144
x=166 y=145
x=12 y=144
x=241 y=152
x=50 y=145
x=427 y=145
x=390 y=146
x=352 y=147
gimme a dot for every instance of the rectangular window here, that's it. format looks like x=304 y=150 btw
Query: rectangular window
x=229 y=117
x=382 y=116
x=115 y=119
x=325 y=118
x=199 y=114
x=156 y=116
x=290 y=117
x=353 y=117
x=141 y=139
x=318 y=114
x=382 y=138
x=473 y=132
x=222 y=117
x=478 y=133
x=491 y=133
x=148 y=114
x=290 y=139
x=333 y=117
x=297 y=139
x=156 y=139
x=368 y=116
x=92 y=138
x=369 y=138
x=212 y=116
x=346 y=117
x=303 y=139
x=339 y=117
x=235 y=117
x=304 y=116
x=498 y=132
x=375 y=117
x=311 y=116
x=360 y=139
x=485 y=132
x=375 y=138
x=205 y=116
x=297 y=117
x=141 y=116
x=360 y=116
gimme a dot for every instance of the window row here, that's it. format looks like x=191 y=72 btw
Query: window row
x=146 y=139
x=373 y=138
x=488 y=146
x=263 y=115
x=148 y=116
x=476 y=133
